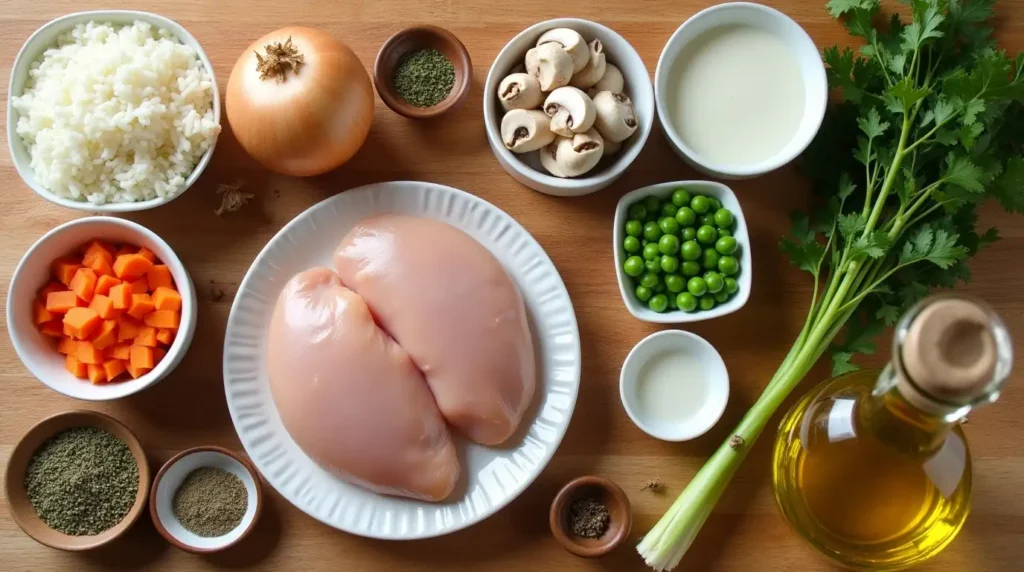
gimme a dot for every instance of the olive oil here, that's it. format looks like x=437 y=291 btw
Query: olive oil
x=872 y=468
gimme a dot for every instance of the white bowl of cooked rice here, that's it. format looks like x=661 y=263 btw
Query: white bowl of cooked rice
x=112 y=111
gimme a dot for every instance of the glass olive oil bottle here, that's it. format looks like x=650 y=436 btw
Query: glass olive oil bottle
x=872 y=468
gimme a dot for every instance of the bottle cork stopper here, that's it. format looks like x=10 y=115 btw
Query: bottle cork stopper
x=949 y=351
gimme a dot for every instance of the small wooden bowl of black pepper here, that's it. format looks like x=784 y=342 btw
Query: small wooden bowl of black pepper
x=422 y=72
x=77 y=481
x=206 y=499
x=590 y=516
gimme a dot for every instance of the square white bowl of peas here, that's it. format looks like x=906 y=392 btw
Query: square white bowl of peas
x=682 y=252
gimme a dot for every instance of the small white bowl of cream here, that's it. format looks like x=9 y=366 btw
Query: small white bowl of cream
x=674 y=385
x=740 y=90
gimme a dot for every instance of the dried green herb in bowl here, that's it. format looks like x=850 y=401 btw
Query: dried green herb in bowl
x=424 y=77
x=210 y=502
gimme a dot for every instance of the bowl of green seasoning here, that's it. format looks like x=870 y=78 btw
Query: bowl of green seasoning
x=205 y=499
x=77 y=481
x=422 y=72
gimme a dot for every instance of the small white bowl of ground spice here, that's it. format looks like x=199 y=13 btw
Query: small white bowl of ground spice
x=422 y=72
x=205 y=499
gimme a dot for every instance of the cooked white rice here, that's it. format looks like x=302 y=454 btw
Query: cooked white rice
x=116 y=114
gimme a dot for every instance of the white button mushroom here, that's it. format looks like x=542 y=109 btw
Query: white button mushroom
x=571 y=111
x=550 y=64
x=548 y=160
x=572 y=42
x=525 y=130
x=616 y=119
x=611 y=81
x=520 y=91
x=577 y=155
x=594 y=70
x=611 y=147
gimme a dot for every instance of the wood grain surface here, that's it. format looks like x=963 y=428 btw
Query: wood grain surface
x=745 y=533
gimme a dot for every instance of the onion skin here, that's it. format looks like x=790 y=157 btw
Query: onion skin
x=313 y=121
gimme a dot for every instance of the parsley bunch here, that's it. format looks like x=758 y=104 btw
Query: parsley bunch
x=929 y=126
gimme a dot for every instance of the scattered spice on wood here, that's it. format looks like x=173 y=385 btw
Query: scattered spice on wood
x=82 y=481
x=232 y=197
x=654 y=485
x=210 y=502
x=588 y=518
x=216 y=294
x=424 y=77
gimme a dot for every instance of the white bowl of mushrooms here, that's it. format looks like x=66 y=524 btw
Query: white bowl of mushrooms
x=568 y=105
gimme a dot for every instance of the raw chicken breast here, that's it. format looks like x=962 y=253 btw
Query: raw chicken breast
x=449 y=303
x=351 y=397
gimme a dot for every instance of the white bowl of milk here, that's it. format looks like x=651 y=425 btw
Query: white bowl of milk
x=740 y=90
x=674 y=385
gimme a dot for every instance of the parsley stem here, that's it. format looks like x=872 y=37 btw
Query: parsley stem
x=890 y=177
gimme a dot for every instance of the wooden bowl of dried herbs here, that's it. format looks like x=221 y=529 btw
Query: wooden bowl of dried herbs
x=77 y=480
x=590 y=516
x=422 y=72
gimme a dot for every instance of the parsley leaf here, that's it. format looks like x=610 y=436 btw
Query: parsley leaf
x=960 y=171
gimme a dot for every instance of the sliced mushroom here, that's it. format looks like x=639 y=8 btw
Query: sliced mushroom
x=579 y=154
x=594 y=70
x=611 y=147
x=550 y=64
x=571 y=111
x=572 y=42
x=616 y=119
x=520 y=91
x=525 y=130
x=610 y=81
x=547 y=158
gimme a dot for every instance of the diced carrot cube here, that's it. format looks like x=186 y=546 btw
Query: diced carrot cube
x=125 y=249
x=69 y=331
x=141 y=305
x=84 y=283
x=159 y=276
x=140 y=286
x=64 y=269
x=61 y=302
x=95 y=251
x=165 y=336
x=146 y=337
x=83 y=320
x=105 y=283
x=76 y=367
x=67 y=346
x=40 y=314
x=54 y=329
x=158 y=354
x=50 y=287
x=142 y=356
x=131 y=266
x=163 y=319
x=87 y=353
x=165 y=298
x=127 y=328
x=106 y=336
x=147 y=254
x=121 y=351
x=136 y=372
x=104 y=306
x=97 y=374
x=113 y=368
x=121 y=295
x=101 y=267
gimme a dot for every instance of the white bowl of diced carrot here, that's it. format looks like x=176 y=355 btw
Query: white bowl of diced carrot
x=100 y=308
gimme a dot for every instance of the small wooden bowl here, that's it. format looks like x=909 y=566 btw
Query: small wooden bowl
x=17 y=497
x=170 y=477
x=416 y=38
x=620 y=516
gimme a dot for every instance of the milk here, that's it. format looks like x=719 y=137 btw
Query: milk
x=671 y=388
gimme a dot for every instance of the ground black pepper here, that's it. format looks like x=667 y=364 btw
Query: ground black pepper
x=82 y=481
x=588 y=518
x=210 y=502
x=424 y=77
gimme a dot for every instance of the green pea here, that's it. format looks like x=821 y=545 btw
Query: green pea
x=652 y=231
x=659 y=288
x=643 y=293
x=637 y=211
x=681 y=197
x=724 y=218
x=700 y=204
x=668 y=243
x=726 y=245
x=685 y=216
x=674 y=283
x=707 y=234
x=631 y=244
x=721 y=296
x=710 y=258
x=669 y=225
x=672 y=303
x=690 y=250
x=731 y=285
x=651 y=251
x=652 y=204
x=669 y=263
x=690 y=268
x=653 y=266
x=697 y=286
x=724 y=232
x=669 y=209
x=714 y=203
x=658 y=303
x=707 y=219
x=649 y=279
x=728 y=265
x=634 y=228
x=634 y=266
x=714 y=281
x=689 y=233
x=707 y=301
x=687 y=302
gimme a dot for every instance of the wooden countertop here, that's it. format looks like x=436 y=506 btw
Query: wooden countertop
x=745 y=533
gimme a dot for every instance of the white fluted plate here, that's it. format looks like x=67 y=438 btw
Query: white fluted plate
x=494 y=476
